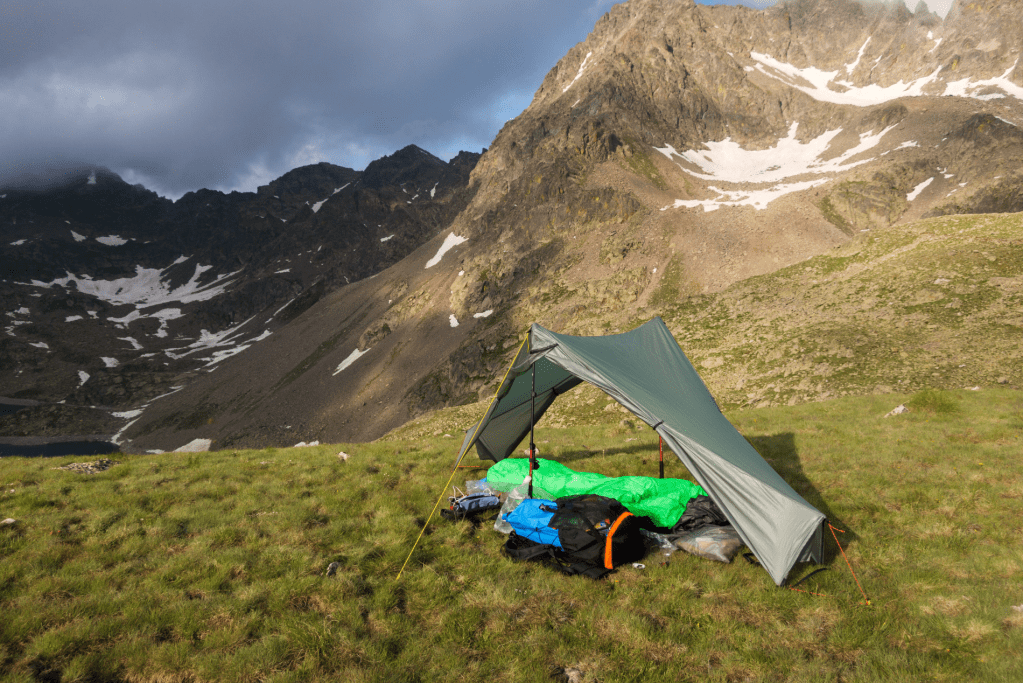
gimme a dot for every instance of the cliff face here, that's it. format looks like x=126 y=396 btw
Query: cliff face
x=677 y=150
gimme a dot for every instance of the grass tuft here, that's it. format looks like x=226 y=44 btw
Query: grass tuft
x=933 y=401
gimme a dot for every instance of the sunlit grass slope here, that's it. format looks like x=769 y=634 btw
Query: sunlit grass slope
x=212 y=567
x=935 y=302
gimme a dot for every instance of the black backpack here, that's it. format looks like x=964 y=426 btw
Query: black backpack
x=596 y=535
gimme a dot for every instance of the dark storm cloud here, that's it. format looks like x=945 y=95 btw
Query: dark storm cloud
x=187 y=94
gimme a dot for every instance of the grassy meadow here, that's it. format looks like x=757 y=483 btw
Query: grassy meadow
x=213 y=566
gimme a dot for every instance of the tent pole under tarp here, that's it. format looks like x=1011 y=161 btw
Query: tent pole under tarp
x=660 y=450
x=532 y=422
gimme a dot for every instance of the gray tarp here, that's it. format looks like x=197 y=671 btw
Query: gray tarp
x=646 y=371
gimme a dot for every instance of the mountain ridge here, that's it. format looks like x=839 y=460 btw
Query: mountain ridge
x=96 y=263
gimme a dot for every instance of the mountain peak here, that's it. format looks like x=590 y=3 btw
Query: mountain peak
x=407 y=164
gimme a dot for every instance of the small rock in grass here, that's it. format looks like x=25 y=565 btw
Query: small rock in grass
x=95 y=467
x=569 y=674
x=10 y=521
x=898 y=411
x=332 y=568
x=343 y=457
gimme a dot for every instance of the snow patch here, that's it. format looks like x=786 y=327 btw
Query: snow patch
x=195 y=446
x=110 y=362
x=728 y=162
x=146 y=289
x=317 y=205
x=286 y=270
x=208 y=341
x=303 y=444
x=918 y=189
x=814 y=82
x=78 y=238
x=452 y=320
x=384 y=239
x=789 y=159
x=73 y=318
x=484 y=314
x=968 y=88
x=450 y=242
x=826 y=87
x=352 y=357
x=134 y=344
x=283 y=307
x=128 y=414
x=83 y=377
x=122 y=323
x=112 y=240
x=41 y=345
x=18 y=243
x=163 y=316
x=850 y=68
x=582 y=67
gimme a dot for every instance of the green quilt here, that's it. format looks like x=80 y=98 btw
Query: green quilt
x=663 y=500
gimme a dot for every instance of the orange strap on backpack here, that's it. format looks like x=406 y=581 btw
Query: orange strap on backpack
x=608 y=564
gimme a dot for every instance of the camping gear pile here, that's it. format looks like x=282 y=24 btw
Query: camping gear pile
x=645 y=371
x=670 y=513
x=586 y=534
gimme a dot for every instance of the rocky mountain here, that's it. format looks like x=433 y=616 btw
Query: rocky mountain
x=114 y=296
x=678 y=150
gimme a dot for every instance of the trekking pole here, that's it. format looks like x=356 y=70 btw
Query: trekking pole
x=532 y=420
x=660 y=449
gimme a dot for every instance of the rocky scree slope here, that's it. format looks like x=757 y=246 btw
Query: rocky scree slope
x=113 y=296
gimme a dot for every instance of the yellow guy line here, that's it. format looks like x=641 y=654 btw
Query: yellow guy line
x=455 y=469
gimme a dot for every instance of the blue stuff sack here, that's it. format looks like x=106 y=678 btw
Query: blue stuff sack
x=531 y=520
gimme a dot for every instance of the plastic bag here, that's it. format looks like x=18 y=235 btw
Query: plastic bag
x=477 y=486
x=516 y=496
x=662 y=541
x=720 y=543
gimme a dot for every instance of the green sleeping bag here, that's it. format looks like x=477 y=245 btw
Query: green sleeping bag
x=662 y=500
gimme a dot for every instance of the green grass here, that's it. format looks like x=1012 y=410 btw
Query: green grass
x=933 y=401
x=211 y=567
x=641 y=164
x=933 y=303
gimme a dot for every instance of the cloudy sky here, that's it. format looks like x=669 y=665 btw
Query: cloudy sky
x=229 y=95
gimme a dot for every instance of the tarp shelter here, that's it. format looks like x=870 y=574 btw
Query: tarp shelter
x=646 y=371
